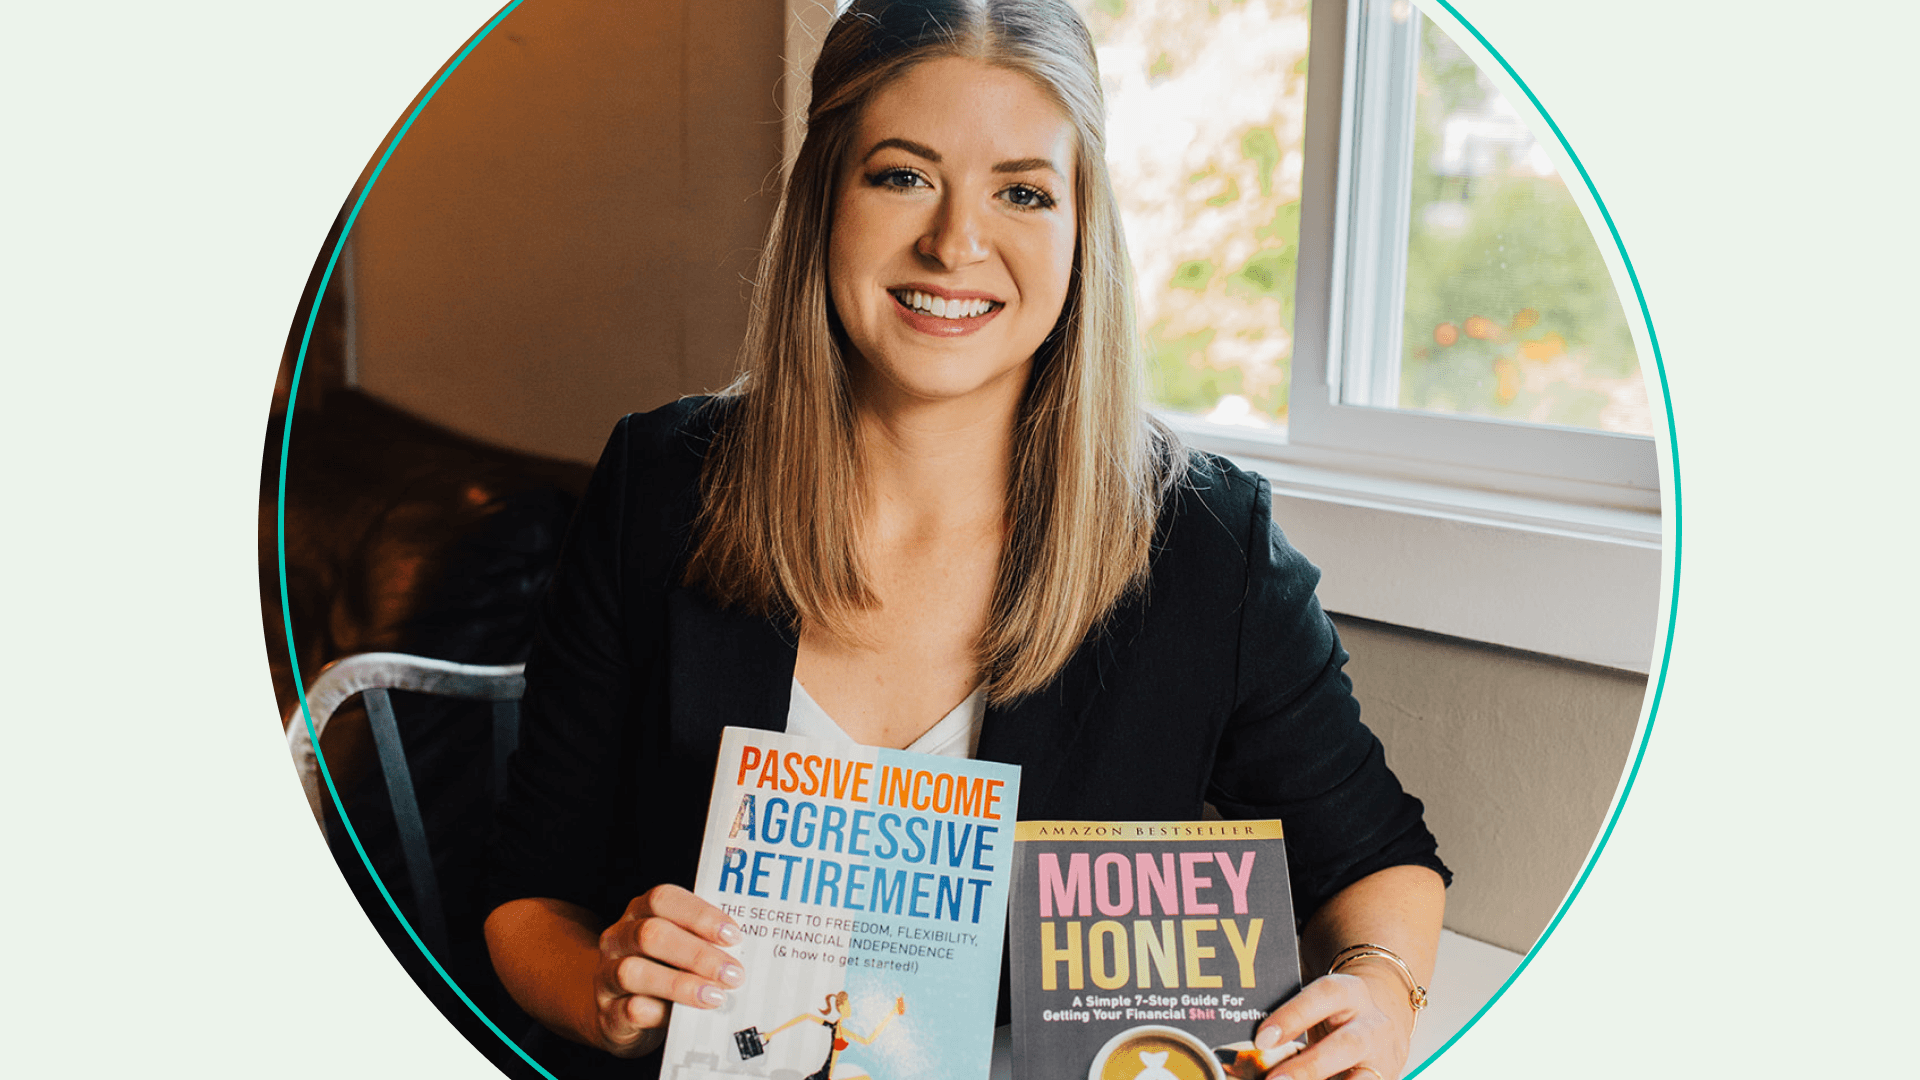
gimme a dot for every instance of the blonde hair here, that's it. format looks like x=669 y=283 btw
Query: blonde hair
x=778 y=525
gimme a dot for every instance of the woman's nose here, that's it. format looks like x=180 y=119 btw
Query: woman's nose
x=955 y=238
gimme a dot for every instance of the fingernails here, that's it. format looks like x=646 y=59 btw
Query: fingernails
x=732 y=974
x=712 y=997
x=1268 y=1038
x=729 y=934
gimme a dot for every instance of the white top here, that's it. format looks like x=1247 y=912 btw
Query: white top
x=957 y=735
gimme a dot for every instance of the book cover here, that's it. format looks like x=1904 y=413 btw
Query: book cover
x=870 y=886
x=1148 y=950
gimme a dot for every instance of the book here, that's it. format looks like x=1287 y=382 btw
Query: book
x=1148 y=950
x=870 y=887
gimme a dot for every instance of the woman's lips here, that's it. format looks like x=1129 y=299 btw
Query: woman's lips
x=941 y=325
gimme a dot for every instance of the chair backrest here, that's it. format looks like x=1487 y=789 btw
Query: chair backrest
x=372 y=675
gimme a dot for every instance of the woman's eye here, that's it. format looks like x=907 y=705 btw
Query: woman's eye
x=1029 y=197
x=897 y=178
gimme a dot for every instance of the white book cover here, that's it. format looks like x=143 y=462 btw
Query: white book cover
x=870 y=886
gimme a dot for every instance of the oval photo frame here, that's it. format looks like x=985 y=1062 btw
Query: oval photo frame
x=333 y=266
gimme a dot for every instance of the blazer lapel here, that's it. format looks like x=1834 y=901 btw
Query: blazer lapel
x=1038 y=731
x=725 y=667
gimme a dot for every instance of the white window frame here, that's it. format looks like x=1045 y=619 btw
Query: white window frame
x=1347 y=347
x=1421 y=521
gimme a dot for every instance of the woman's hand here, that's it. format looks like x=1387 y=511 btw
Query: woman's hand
x=1352 y=1022
x=664 y=951
x=1358 y=1023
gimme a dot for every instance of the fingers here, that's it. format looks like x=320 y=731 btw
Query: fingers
x=665 y=942
x=1356 y=1037
x=665 y=951
x=1344 y=1048
x=635 y=1014
x=674 y=928
x=628 y=1025
x=687 y=910
x=1329 y=998
x=647 y=978
x=632 y=1027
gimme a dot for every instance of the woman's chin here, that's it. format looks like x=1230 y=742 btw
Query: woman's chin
x=938 y=384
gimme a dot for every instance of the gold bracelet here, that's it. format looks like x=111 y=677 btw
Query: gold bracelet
x=1416 y=994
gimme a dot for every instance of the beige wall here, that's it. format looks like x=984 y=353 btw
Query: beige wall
x=1516 y=756
x=566 y=233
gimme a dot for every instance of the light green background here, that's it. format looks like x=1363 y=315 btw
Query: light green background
x=172 y=909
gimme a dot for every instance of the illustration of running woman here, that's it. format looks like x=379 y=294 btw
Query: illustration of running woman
x=834 y=1016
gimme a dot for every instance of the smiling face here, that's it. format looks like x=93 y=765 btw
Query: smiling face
x=953 y=232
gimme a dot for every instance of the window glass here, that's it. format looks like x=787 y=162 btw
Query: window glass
x=1510 y=311
x=1206 y=103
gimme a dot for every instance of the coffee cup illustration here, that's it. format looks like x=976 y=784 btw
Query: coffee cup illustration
x=1155 y=1052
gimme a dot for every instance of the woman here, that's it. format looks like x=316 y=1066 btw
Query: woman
x=932 y=515
x=835 y=1016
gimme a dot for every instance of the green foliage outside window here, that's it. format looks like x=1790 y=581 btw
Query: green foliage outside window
x=1510 y=310
x=1206 y=103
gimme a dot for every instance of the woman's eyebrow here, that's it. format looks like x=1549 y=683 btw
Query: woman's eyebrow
x=1030 y=164
x=1018 y=165
x=911 y=147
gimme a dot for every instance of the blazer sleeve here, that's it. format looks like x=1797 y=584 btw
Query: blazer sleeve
x=1293 y=746
x=553 y=830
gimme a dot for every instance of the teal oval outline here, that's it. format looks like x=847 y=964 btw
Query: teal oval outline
x=280 y=543
x=280 y=528
x=1673 y=595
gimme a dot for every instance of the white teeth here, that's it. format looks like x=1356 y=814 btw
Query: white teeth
x=939 y=308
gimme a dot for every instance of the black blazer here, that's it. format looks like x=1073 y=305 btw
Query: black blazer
x=1221 y=683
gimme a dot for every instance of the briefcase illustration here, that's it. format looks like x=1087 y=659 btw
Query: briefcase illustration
x=749 y=1043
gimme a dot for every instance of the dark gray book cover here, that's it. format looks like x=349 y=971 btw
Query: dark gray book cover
x=1147 y=950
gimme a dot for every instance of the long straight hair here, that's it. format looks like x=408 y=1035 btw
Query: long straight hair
x=781 y=492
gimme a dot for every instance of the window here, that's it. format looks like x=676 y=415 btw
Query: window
x=1317 y=198
x=1455 y=318
x=1469 y=321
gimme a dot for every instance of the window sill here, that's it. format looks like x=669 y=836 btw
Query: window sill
x=1546 y=572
